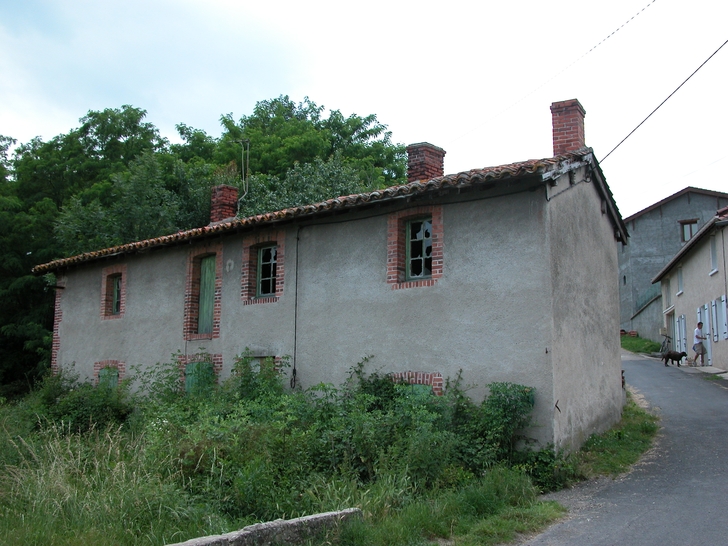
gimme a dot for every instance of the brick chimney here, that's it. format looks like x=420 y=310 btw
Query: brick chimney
x=424 y=161
x=567 y=119
x=224 y=203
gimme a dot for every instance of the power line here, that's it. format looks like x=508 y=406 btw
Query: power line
x=552 y=78
x=664 y=101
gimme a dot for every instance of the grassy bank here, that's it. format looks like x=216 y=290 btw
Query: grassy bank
x=639 y=345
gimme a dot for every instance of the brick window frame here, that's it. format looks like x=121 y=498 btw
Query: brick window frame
x=192 y=292
x=431 y=379
x=108 y=274
x=249 y=275
x=183 y=360
x=118 y=364
x=57 y=317
x=397 y=246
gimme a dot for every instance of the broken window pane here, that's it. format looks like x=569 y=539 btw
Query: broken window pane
x=419 y=249
x=267 y=268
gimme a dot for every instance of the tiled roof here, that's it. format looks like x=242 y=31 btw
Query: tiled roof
x=460 y=180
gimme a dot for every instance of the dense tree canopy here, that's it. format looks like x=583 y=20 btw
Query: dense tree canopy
x=115 y=179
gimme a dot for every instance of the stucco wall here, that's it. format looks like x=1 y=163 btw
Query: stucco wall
x=482 y=316
x=700 y=287
x=527 y=295
x=151 y=329
x=655 y=237
x=586 y=346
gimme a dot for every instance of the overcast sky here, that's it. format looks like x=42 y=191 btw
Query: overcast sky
x=475 y=78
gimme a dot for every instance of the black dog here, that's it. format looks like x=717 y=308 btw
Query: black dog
x=674 y=356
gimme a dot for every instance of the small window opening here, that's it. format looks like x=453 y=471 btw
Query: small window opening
x=688 y=229
x=267 y=270
x=108 y=378
x=115 y=289
x=419 y=248
x=199 y=377
x=207 y=295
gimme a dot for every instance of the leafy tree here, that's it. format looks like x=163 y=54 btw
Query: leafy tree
x=282 y=133
x=137 y=205
x=114 y=180
x=303 y=184
x=106 y=143
x=5 y=144
x=26 y=305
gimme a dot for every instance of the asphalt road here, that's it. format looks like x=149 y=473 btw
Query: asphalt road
x=678 y=493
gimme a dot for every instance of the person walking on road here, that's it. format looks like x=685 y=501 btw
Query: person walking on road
x=698 y=346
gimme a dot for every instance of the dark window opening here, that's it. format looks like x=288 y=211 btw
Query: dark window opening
x=267 y=270
x=688 y=228
x=419 y=248
x=115 y=293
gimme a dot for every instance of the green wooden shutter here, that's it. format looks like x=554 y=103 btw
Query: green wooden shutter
x=199 y=377
x=116 y=301
x=207 y=295
x=108 y=378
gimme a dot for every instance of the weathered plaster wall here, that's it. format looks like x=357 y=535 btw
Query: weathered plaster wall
x=527 y=286
x=586 y=346
x=151 y=329
x=483 y=316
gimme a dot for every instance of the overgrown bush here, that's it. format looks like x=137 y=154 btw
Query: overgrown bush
x=250 y=449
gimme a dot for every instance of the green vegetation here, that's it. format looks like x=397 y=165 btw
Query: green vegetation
x=613 y=452
x=80 y=464
x=639 y=345
x=115 y=179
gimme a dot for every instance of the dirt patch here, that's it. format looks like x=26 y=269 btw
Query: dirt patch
x=638 y=397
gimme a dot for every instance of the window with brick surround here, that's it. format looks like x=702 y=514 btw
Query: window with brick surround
x=433 y=380
x=199 y=372
x=419 y=249
x=263 y=267
x=113 y=292
x=203 y=293
x=108 y=373
x=415 y=247
x=266 y=278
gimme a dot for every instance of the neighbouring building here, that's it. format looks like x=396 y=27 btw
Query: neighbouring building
x=656 y=234
x=694 y=285
x=507 y=273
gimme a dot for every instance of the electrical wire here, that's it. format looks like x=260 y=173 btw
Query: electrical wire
x=552 y=78
x=664 y=101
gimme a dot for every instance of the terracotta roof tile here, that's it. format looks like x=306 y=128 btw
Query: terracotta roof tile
x=462 y=179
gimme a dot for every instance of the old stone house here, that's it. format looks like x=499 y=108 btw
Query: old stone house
x=507 y=273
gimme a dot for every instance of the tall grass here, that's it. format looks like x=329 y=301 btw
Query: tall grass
x=97 y=488
x=168 y=467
